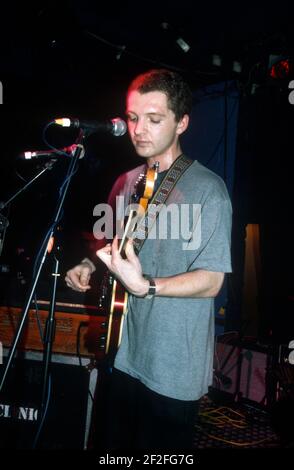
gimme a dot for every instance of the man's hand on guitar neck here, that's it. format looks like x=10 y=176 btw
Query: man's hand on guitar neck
x=128 y=271
x=78 y=278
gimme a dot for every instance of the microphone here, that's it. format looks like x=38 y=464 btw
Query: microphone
x=29 y=155
x=116 y=126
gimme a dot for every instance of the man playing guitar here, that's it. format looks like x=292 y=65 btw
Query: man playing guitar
x=163 y=365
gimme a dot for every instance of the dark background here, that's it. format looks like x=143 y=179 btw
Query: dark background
x=75 y=58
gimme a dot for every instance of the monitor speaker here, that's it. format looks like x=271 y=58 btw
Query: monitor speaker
x=68 y=417
x=243 y=371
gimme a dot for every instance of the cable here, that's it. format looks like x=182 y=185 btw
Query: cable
x=81 y=324
x=41 y=332
x=44 y=414
x=220 y=417
x=69 y=175
x=52 y=147
x=19 y=175
x=123 y=50
x=91 y=396
x=238 y=444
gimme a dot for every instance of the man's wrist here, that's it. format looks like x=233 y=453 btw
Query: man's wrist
x=144 y=288
x=151 y=292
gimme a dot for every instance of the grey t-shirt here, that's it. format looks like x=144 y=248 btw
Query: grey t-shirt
x=168 y=342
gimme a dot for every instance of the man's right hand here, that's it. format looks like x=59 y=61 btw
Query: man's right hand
x=78 y=278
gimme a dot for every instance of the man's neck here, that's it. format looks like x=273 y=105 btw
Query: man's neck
x=165 y=161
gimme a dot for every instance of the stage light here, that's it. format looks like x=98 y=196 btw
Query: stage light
x=182 y=44
x=217 y=60
x=237 y=66
x=175 y=36
x=280 y=67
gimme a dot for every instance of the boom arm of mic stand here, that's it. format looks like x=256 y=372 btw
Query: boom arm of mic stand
x=3 y=220
x=73 y=165
x=48 y=166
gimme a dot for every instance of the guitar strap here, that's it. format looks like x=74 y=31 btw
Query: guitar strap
x=174 y=173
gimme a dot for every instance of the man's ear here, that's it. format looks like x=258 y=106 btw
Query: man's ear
x=183 y=124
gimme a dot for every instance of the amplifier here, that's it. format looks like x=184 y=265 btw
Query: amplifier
x=243 y=370
x=67 y=423
x=79 y=329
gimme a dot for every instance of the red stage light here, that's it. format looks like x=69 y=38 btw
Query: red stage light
x=281 y=69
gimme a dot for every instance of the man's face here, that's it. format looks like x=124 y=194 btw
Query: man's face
x=151 y=124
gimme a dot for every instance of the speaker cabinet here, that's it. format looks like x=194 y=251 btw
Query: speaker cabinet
x=67 y=421
x=242 y=370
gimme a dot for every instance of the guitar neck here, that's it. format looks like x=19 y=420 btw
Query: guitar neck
x=142 y=203
x=127 y=233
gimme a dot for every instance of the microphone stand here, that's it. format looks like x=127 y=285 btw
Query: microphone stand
x=49 y=335
x=37 y=271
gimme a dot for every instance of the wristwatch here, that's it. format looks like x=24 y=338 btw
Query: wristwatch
x=152 y=287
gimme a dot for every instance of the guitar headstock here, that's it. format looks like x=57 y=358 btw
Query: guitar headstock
x=144 y=186
x=139 y=188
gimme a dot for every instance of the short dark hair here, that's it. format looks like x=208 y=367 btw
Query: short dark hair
x=177 y=91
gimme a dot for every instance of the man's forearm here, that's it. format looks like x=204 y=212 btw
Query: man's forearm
x=193 y=284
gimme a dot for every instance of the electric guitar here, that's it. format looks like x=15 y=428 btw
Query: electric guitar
x=116 y=302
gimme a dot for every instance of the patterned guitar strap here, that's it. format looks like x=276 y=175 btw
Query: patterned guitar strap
x=174 y=173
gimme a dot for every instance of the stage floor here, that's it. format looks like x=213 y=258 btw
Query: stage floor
x=225 y=424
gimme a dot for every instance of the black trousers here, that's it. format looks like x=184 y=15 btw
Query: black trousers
x=139 y=419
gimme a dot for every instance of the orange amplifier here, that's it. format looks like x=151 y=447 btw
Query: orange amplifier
x=80 y=329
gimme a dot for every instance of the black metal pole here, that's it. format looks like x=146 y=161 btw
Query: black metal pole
x=78 y=150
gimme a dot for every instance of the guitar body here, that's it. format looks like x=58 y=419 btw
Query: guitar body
x=117 y=313
x=116 y=302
